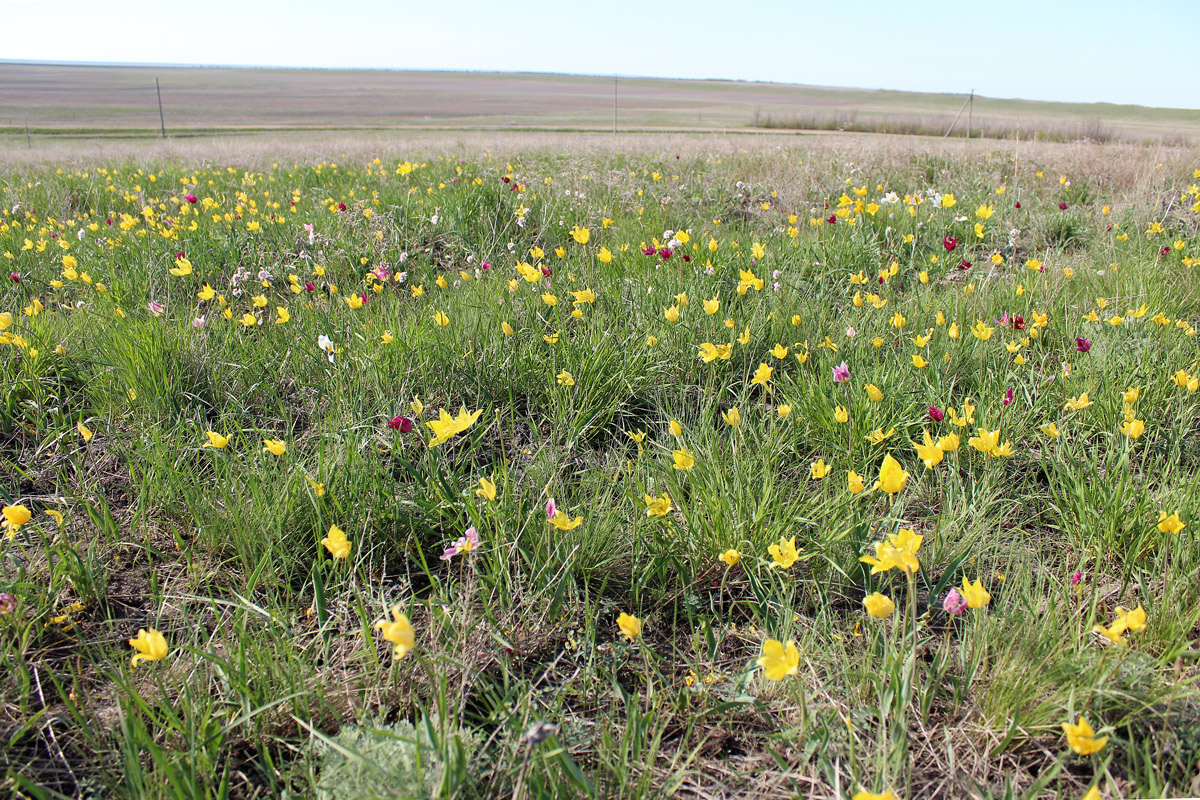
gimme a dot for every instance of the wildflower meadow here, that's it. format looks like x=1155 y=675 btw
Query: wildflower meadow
x=722 y=467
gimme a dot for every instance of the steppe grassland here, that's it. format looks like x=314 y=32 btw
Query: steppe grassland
x=686 y=454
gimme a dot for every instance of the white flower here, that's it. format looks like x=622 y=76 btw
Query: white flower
x=851 y=333
x=326 y=344
x=404 y=257
x=79 y=234
x=199 y=322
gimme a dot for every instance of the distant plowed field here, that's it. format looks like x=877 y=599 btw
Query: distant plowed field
x=44 y=99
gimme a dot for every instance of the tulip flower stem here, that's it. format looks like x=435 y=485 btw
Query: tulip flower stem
x=849 y=424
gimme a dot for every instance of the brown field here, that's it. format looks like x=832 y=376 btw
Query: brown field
x=57 y=100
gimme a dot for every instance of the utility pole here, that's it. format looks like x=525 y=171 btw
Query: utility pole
x=970 y=112
x=614 y=105
x=162 y=125
x=28 y=138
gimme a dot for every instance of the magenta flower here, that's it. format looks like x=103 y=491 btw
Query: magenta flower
x=1082 y=345
x=15 y=277
x=551 y=508
x=955 y=603
x=1008 y=397
x=156 y=308
x=936 y=414
x=841 y=373
x=191 y=198
x=1076 y=578
x=1062 y=206
x=469 y=542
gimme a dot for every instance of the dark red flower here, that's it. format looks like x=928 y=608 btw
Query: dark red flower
x=832 y=218
x=1008 y=397
x=1107 y=228
x=486 y=266
x=1062 y=206
x=686 y=258
x=310 y=287
x=664 y=253
x=394 y=422
x=1082 y=345
x=1018 y=323
x=649 y=251
x=505 y=179
x=1018 y=204
x=964 y=264
x=341 y=206
x=1164 y=250
x=108 y=221
x=936 y=414
x=949 y=242
x=406 y=425
x=191 y=198
x=546 y=272
x=15 y=277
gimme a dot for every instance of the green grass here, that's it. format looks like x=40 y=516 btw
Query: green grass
x=278 y=683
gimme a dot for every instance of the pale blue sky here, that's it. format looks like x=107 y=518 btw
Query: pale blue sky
x=1073 y=50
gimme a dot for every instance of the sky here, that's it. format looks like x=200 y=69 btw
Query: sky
x=1116 y=51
